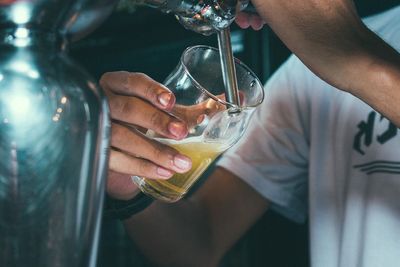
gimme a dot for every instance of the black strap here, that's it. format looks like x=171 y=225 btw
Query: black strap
x=124 y=209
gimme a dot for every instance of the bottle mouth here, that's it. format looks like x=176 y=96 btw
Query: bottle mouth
x=240 y=66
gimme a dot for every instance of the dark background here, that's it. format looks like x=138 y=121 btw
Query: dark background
x=151 y=42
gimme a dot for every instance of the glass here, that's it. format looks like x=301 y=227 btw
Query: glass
x=214 y=124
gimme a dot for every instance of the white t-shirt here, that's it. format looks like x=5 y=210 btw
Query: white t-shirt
x=321 y=153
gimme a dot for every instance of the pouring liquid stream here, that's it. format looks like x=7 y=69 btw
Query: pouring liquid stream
x=228 y=70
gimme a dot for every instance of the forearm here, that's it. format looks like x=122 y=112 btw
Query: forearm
x=200 y=230
x=329 y=37
x=378 y=81
x=173 y=235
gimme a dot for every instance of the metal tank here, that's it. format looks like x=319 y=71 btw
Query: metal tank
x=54 y=134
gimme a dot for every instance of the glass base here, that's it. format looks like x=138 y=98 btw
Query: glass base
x=153 y=192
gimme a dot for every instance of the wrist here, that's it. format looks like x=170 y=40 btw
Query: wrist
x=124 y=209
x=124 y=196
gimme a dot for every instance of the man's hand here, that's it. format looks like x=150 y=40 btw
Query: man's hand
x=329 y=37
x=245 y=20
x=138 y=103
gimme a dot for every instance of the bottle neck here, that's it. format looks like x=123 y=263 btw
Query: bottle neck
x=23 y=37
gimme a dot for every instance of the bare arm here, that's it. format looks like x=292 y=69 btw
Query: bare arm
x=330 y=38
x=198 y=231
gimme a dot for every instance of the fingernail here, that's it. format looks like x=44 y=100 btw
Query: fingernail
x=164 y=99
x=164 y=173
x=177 y=129
x=200 y=118
x=182 y=162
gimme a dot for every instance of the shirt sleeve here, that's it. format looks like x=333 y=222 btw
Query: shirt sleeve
x=272 y=156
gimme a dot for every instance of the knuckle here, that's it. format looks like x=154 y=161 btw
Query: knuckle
x=156 y=119
x=138 y=75
x=116 y=131
x=144 y=167
x=159 y=151
x=128 y=107
x=163 y=153
x=125 y=79
x=107 y=78
x=131 y=78
x=103 y=79
x=150 y=91
x=113 y=102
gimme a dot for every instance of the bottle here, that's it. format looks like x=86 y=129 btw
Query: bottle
x=54 y=134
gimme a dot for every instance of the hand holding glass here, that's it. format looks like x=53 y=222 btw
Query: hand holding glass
x=214 y=124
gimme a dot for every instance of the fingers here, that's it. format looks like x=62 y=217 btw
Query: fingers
x=256 y=22
x=135 y=154
x=136 y=111
x=136 y=99
x=242 y=20
x=245 y=20
x=242 y=97
x=195 y=114
x=123 y=163
x=126 y=164
x=140 y=85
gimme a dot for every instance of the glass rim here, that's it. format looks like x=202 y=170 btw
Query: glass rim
x=237 y=62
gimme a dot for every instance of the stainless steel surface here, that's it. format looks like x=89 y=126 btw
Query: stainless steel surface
x=74 y=19
x=53 y=141
x=228 y=67
x=86 y=16
x=205 y=17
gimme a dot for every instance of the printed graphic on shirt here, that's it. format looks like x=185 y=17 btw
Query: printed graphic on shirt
x=368 y=134
x=381 y=166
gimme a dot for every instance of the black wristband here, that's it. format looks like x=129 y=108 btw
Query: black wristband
x=124 y=209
